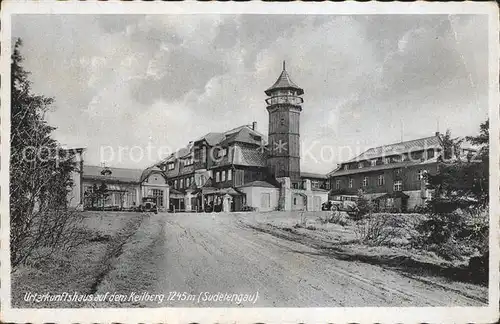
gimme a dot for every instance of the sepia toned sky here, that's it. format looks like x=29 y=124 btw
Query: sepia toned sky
x=160 y=81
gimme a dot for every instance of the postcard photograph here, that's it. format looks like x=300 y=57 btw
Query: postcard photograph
x=235 y=161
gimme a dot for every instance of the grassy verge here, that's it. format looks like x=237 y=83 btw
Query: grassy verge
x=342 y=242
x=81 y=270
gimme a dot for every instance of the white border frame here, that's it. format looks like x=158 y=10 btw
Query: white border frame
x=253 y=315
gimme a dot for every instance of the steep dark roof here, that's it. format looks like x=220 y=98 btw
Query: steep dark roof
x=398 y=148
x=123 y=175
x=258 y=183
x=249 y=157
x=284 y=82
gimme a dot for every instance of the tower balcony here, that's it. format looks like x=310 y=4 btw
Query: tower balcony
x=285 y=100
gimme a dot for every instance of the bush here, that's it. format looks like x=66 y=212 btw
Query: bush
x=378 y=229
x=339 y=218
x=248 y=208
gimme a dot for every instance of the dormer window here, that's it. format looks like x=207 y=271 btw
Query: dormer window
x=373 y=162
x=360 y=165
x=170 y=166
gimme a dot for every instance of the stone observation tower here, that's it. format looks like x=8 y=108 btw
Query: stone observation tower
x=284 y=107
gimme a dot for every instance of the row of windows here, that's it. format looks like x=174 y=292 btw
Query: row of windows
x=183 y=183
x=397 y=185
x=190 y=161
x=380 y=179
x=221 y=176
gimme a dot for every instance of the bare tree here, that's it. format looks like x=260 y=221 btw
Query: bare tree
x=40 y=175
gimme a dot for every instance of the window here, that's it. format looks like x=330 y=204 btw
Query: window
x=337 y=184
x=350 y=183
x=217 y=176
x=171 y=166
x=396 y=159
x=295 y=201
x=373 y=162
x=360 y=165
x=229 y=175
x=188 y=182
x=365 y=181
x=188 y=161
x=381 y=180
x=315 y=184
x=346 y=167
x=158 y=193
x=420 y=174
x=398 y=185
x=387 y=160
x=181 y=183
x=224 y=151
x=223 y=176
x=175 y=184
x=430 y=154
x=204 y=154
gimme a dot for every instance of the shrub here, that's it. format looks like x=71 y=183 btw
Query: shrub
x=377 y=229
x=248 y=208
x=339 y=218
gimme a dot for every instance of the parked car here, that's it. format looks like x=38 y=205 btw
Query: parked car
x=148 y=205
x=348 y=206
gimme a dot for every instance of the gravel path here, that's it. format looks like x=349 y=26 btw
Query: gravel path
x=202 y=256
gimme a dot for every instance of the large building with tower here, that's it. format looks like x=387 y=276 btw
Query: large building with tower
x=238 y=169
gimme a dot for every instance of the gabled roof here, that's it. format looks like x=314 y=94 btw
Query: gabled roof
x=284 y=82
x=150 y=170
x=123 y=175
x=243 y=135
x=398 y=148
x=211 y=138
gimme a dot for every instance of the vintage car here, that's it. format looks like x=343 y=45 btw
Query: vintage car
x=148 y=205
x=348 y=206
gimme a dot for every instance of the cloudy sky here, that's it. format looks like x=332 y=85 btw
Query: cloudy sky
x=163 y=80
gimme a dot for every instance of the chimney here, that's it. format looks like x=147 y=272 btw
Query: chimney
x=254 y=125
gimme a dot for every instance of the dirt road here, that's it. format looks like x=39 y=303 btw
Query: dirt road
x=201 y=256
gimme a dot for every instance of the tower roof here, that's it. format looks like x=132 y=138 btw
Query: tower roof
x=283 y=83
